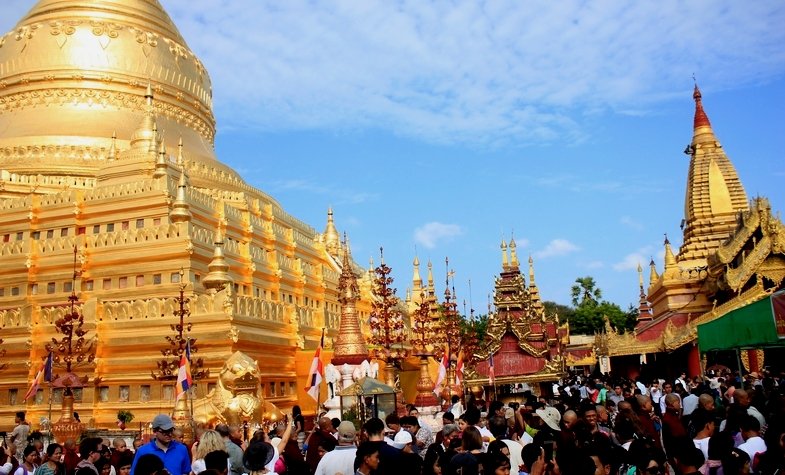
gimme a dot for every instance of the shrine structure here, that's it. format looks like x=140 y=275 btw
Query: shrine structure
x=525 y=343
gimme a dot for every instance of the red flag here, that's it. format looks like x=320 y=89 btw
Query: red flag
x=316 y=374
x=39 y=376
x=459 y=369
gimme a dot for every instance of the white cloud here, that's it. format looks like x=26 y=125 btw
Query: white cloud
x=631 y=223
x=641 y=256
x=594 y=265
x=557 y=247
x=431 y=233
x=470 y=71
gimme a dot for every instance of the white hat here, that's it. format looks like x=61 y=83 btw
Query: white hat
x=551 y=416
x=402 y=438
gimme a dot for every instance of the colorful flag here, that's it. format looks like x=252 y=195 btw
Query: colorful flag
x=184 y=379
x=491 y=375
x=459 y=369
x=316 y=374
x=39 y=376
x=445 y=363
x=48 y=368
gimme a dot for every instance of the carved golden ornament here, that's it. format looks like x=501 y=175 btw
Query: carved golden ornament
x=46 y=97
x=66 y=27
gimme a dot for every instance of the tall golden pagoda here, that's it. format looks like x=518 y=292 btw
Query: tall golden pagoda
x=732 y=254
x=93 y=95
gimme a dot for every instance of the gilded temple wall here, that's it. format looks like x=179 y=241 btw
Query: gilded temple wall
x=129 y=256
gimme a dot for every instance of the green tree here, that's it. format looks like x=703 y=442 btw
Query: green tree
x=590 y=311
x=585 y=292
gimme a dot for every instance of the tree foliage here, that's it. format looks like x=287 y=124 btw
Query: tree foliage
x=588 y=313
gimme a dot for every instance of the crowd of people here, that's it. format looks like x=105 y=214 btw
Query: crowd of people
x=718 y=424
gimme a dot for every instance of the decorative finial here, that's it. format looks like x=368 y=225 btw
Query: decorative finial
x=701 y=119
x=180 y=157
x=513 y=252
x=381 y=255
x=640 y=275
x=505 y=259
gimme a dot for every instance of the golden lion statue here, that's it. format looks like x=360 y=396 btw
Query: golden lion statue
x=237 y=396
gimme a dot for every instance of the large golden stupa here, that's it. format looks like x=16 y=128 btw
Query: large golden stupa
x=106 y=146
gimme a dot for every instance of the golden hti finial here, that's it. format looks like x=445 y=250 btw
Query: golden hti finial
x=416 y=279
x=332 y=239
x=181 y=211
x=531 y=271
x=640 y=275
x=513 y=253
x=505 y=259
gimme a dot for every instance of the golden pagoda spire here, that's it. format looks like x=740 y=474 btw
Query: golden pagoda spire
x=145 y=135
x=181 y=211
x=644 y=310
x=671 y=266
x=332 y=240
x=513 y=253
x=152 y=148
x=218 y=275
x=505 y=260
x=416 y=279
x=160 y=162
x=534 y=292
x=431 y=287
x=653 y=275
x=714 y=196
x=349 y=347
x=112 y=154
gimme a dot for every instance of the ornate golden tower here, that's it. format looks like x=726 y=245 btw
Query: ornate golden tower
x=87 y=90
x=714 y=199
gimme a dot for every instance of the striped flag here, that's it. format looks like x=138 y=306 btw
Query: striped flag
x=459 y=369
x=491 y=375
x=445 y=363
x=39 y=377
x=184 y=379
x=316 y=374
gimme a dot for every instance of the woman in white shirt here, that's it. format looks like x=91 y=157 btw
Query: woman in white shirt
x=209 y=442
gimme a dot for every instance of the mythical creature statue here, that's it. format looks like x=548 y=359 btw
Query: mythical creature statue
x=237 y=396
x=333 y=378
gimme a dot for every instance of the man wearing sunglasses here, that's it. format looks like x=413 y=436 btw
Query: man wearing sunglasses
x=173 y=454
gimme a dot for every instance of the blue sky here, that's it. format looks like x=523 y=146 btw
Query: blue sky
x=443 y=126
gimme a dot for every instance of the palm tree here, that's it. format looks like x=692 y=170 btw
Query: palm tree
x=585 y=292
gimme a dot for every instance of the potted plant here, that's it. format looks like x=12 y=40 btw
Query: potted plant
x=124 y=417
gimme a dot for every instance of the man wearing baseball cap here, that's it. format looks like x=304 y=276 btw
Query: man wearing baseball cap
x=173 y=454
x=341 y=459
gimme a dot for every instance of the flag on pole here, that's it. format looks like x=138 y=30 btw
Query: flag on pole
x=445 y=363
x=491 y=375
x=184 y=379
x=39 y=376
x=316 y=374
x=48 y=368
x=459 y=369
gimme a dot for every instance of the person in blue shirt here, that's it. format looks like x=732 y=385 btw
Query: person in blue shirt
x=173 y=454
